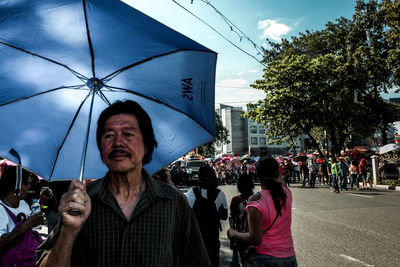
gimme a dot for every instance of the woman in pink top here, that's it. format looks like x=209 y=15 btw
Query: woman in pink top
x=269 y=217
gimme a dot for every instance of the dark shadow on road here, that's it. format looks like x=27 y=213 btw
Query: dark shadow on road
x=363 y=193
x=225 y=254
x=310 y=188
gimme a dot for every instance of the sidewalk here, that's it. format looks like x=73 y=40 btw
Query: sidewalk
x=387 y=187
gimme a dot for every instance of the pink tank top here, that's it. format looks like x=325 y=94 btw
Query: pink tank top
x=277 y=241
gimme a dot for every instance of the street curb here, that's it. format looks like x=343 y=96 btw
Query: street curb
x=387 y=187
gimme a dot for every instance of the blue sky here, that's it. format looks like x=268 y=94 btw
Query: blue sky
x=258 y=19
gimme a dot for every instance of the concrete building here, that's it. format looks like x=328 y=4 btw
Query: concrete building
x=246 y=136
x=232 y=120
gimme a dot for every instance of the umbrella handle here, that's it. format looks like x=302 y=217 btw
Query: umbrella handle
x=75 y=212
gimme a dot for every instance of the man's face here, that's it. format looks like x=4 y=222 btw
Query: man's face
x=122 y=143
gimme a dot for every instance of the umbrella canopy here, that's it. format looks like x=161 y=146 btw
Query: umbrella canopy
x=300 y=158
x=245 y=157
x=234 y=161
x=389 y=148
x=5 y=162
x=227 y=158
x=63 y=62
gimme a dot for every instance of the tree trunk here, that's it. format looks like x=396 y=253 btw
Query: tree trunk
x=332 y=133
x=384 y=135
x=314 y=142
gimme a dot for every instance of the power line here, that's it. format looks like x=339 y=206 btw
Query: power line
x=232 y=26
x=220 y=33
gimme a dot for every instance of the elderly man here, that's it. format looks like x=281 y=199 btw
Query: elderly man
x=128 y=219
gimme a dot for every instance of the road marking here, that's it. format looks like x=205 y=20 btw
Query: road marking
x=359 y=195
x=355 y=260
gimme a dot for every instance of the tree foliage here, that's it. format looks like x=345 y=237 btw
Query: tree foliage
x=390 y=13
x=221 y=137
x=311 y=81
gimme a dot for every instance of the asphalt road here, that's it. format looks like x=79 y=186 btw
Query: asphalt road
x=353 y=228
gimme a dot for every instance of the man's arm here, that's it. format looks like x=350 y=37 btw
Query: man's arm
x=75 y=199
x=60 y=253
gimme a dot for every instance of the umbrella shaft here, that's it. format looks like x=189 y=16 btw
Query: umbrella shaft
x=85 y=145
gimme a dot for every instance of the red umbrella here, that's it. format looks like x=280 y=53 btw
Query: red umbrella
x=227 y=158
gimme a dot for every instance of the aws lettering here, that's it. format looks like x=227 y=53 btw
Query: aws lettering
x=187 y=88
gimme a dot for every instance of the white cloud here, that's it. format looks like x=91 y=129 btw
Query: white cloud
x=236 y=92
x=240 y=73
x=273 y=29
x=232 y=83
x=253 y=71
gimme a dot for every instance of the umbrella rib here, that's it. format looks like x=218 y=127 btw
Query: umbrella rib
x=102 y=96
x=157 y=101
x=89 y=38
x=77 y=74
x=115 y=73
x=66 y=135
x=41 y=93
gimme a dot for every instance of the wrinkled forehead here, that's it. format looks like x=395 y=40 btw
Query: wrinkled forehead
x=121 y=121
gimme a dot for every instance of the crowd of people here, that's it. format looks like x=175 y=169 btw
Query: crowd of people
x=338 y=173
x=230 y=175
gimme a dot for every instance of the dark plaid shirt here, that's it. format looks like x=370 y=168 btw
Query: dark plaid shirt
x=161 y=232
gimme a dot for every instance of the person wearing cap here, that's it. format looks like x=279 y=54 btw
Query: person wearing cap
x=17 y=205
x=207 y=186
x=127 y=218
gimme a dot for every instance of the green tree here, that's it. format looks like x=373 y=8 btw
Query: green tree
x=372 y=50
x=301 y=94
x=311 y=81
x=221 y=137
x=389 y=11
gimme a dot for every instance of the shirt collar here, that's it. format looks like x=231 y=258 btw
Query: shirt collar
x=153 y=188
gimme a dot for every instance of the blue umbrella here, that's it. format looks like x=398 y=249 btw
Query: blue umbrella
x=63 y=62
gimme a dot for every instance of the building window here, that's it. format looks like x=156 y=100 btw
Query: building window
x=261 y=130
x=254 y=141
x=263 y=140
x=253 y=129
